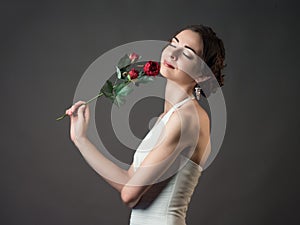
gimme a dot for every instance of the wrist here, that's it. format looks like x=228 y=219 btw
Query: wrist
x=80 y=141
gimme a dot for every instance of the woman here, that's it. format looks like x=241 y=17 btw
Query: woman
x=157 y=198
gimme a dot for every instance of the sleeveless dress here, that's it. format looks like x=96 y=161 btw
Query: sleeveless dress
x=166 y=202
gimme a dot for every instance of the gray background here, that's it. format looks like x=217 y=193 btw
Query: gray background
x=47 y=46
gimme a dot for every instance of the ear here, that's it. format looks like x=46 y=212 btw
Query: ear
x=202 y=79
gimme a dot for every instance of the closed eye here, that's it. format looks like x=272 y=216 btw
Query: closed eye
x=187 y=56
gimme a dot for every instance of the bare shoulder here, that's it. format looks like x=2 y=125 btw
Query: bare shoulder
x=197 y=130
x=194 y=114
x=190 y=118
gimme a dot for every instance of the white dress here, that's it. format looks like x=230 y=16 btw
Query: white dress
x=166 y=202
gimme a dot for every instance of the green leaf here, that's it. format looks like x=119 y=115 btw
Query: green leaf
x=123 y=90
x=119 y=86
x=112 y=97
x=124 y=61
x=107 y=88
x=119 y=74
x=128 y=77
x=143 y=80
x=119 y=100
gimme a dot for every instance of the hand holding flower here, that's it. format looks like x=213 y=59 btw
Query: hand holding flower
x=79 y=115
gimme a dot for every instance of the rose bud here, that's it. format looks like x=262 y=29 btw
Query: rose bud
x=133 y=73
x=133 y=57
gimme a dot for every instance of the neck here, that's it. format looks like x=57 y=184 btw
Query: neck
x=175 y=93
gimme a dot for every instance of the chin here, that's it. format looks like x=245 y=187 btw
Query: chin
x=165 y=73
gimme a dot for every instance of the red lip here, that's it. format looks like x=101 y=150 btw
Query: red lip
x=168 y=64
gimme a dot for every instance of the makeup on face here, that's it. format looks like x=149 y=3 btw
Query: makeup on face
x=175 y=56
x=173 y=43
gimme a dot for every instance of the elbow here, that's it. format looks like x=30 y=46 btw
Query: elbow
x=128 y=198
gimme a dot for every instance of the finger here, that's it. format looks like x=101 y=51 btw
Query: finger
x=73 y=117
x=76 y=105
x=68 y=112
x=81 y=113
x=79 y=103
x=87 y=113
x=74 y=108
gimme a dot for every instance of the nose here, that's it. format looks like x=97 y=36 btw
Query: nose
x=174 y=53
x=173 y=57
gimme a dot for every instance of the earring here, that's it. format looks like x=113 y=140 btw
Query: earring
x=198 y=92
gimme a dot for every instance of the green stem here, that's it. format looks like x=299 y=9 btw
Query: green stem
x=92 y=99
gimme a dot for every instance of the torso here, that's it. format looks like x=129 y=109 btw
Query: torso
x=200 y=153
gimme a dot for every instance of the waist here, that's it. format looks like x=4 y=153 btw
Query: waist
x=161 y=202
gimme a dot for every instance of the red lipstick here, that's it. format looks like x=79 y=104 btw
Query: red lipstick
x=168 y=65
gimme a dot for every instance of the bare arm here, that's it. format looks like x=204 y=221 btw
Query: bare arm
x=103 y=166
x=131 y=184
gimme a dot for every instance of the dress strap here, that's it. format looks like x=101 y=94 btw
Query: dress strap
x=166 y=117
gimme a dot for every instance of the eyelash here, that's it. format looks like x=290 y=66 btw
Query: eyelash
x=182 y=52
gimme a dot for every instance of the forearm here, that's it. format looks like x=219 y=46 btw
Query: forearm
x=103 y=166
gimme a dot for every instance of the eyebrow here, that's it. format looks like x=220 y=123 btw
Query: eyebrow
x=185 y=45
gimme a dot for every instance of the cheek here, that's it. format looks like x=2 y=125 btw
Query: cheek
x=165 y=53
x=184 y=65
x=188 y=67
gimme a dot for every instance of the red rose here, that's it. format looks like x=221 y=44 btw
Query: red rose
x=151 y=68
x=133 y=73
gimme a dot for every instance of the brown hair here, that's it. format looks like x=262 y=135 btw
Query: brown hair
x=213 y=54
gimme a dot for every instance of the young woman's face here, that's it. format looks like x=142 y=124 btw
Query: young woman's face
x=180 y=60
